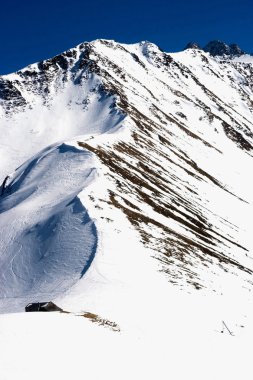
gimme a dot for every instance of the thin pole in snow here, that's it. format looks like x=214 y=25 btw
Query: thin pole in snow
x=226 y=327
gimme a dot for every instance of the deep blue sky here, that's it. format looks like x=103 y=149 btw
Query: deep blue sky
x=32 y=30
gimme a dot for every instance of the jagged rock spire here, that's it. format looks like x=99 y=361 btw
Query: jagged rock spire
x=219 y=48
x=236 y=50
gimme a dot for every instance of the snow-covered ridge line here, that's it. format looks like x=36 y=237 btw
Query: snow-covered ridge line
x=48 y=240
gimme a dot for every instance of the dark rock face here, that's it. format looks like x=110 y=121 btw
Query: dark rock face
x=219 y=48
x=10 y=96
x=9 y=92
x=42 y=306
x=193 y=45
x=236 y=50
x=59 y=60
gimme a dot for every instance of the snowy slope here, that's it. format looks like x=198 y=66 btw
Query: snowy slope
x=186 y=345
x=136 y=159
x=50 y=239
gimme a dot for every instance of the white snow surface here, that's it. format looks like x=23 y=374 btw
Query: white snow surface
x=127 y=193
x=246 y=58
x=185 y=342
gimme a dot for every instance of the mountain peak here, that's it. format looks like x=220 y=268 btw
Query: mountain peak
x=219 y=48
x=192 y=45
x=236 y=50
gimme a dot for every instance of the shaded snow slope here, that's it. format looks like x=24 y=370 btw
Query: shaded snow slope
x=47 y=237
x=171 y=136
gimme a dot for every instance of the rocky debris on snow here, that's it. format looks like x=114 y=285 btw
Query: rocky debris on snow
x=94 y=318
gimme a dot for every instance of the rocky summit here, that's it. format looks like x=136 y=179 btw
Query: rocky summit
x=218 y=48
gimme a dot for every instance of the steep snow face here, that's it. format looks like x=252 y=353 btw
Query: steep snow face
x=171 y=136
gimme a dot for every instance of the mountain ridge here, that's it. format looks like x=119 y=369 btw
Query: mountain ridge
x=171 y=135
x=218 y=48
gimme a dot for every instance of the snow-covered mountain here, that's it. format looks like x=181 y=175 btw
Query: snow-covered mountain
x=126 y=196
x=125 y=148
